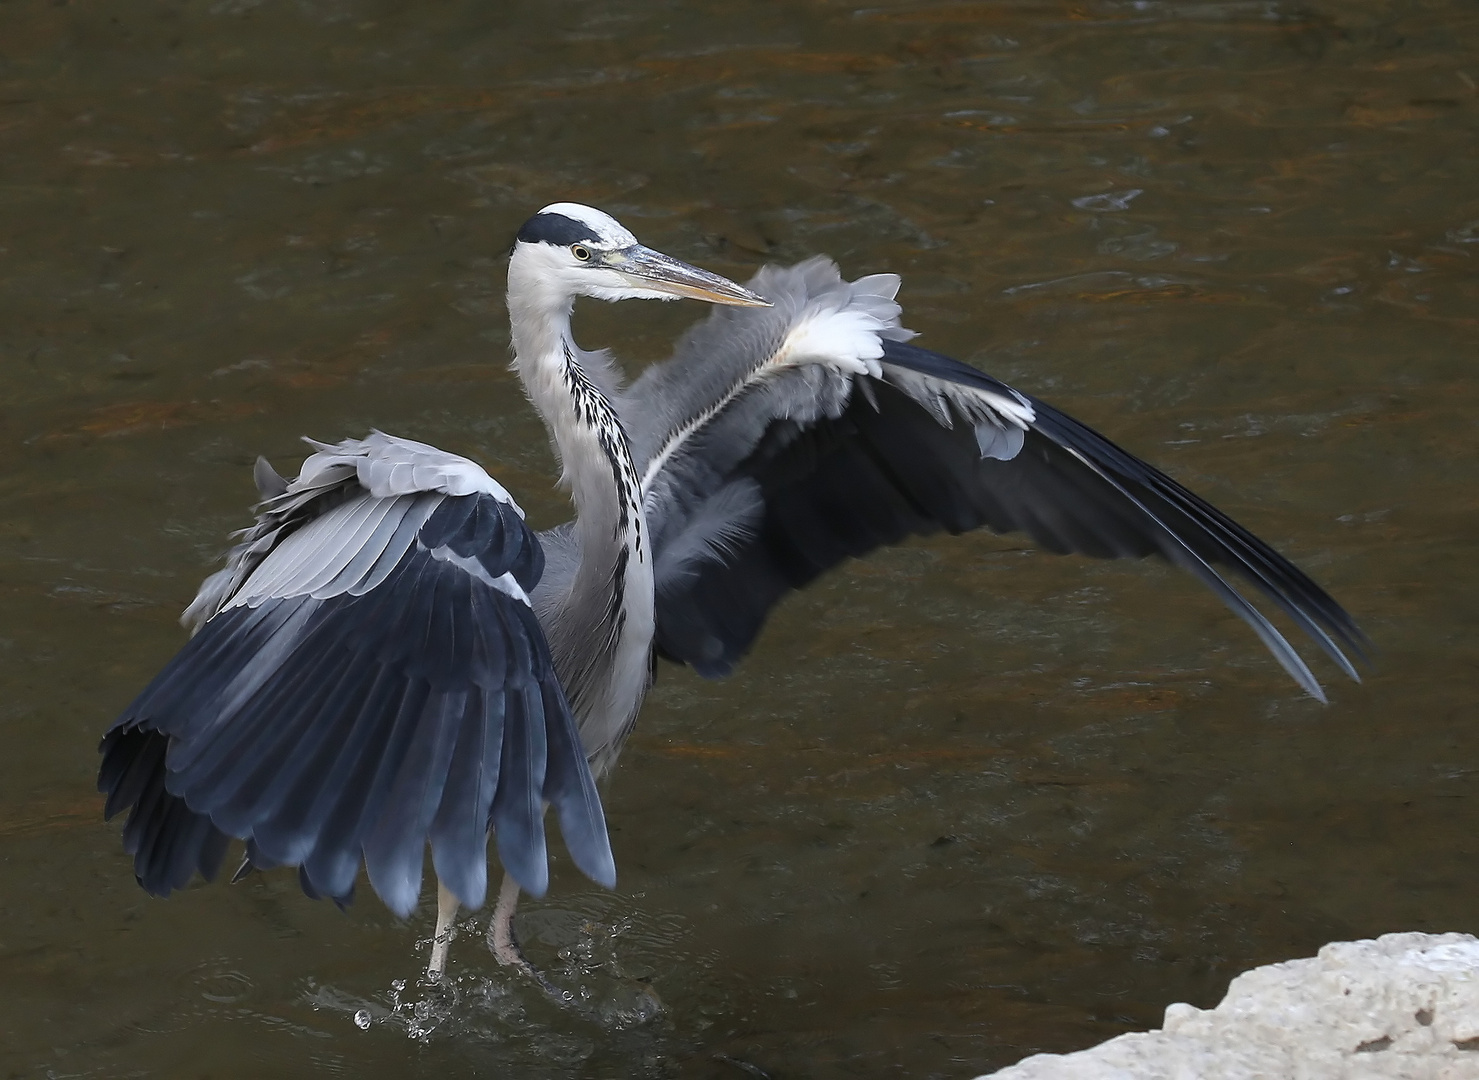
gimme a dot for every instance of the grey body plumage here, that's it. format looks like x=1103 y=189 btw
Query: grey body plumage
x=390 y=659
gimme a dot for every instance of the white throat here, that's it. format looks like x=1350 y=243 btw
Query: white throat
x=601 y=630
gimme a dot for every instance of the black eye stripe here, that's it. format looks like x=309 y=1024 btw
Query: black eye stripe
x=556 y=229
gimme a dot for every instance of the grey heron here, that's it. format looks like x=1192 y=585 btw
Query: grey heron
x=391 y=659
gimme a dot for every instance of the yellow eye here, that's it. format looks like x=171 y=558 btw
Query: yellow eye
x=581 y=252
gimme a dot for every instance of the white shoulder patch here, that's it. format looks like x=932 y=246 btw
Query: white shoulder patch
x=845 y=340
x=827 y=323
x=841 y=324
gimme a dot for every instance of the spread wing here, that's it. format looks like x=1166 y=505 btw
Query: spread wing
x=792 y=438
x=366 y=676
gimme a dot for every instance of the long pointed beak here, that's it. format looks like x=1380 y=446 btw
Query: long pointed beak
x=661 y=273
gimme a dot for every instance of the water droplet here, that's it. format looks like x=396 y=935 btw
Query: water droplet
x=397 y=985
x=362 y=1019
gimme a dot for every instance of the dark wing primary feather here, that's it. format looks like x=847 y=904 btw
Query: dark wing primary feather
x=885 y=467
x=369 y=678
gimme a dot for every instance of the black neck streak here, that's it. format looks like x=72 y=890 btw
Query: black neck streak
x=594 y=411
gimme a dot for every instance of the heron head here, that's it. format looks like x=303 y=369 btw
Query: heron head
x=580 y=251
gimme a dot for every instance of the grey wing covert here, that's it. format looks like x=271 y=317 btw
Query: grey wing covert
x=373 y=680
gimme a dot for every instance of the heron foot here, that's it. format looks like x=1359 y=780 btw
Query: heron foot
x=506 y=950
x=635 y=1001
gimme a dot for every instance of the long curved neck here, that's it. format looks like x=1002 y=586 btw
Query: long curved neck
x=601 y=629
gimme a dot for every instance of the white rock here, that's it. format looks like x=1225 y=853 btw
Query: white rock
x=1402 y=1007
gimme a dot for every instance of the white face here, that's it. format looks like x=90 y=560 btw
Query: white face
x=572 y=250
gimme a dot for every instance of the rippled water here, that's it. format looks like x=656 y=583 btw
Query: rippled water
x=966 y=801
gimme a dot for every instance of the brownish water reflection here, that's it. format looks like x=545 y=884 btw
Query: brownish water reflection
x=966 y=801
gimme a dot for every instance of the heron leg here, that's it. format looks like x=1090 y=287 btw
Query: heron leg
x=506 y=947
x=501 y=930
x=447 y=906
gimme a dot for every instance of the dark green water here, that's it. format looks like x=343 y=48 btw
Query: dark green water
x=966 y=801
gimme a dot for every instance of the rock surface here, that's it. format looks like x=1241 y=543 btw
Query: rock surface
x=1403 y=1006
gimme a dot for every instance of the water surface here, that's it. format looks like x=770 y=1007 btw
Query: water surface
x=966 y=801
